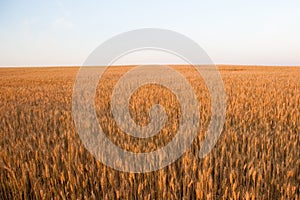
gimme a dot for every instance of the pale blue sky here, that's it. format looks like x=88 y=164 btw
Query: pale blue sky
x=64 y=32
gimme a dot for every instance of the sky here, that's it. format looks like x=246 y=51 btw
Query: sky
x=65 y=32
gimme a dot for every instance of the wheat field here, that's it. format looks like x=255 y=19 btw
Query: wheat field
x=256 y=157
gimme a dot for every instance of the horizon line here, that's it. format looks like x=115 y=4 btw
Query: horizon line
x=129 y=65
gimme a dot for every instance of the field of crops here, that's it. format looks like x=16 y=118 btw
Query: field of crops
x=256 y=157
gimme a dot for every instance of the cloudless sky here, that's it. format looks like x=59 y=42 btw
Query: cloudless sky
x=65 y=32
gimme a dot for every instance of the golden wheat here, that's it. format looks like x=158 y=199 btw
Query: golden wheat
x=256 y=157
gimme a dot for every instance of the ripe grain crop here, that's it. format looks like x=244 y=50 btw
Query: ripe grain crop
x=256 y=157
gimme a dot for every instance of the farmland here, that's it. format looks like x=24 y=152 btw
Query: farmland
x=256 y=157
